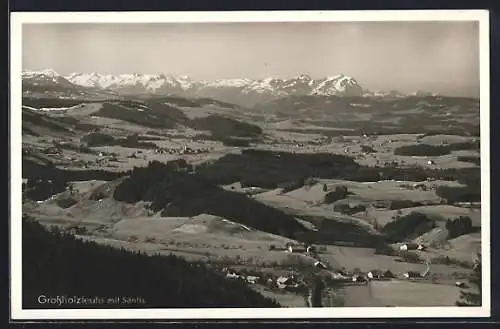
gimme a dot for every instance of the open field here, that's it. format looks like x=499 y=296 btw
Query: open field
x=400 y=293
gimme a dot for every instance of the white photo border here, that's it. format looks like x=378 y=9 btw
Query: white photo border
x=20 y=18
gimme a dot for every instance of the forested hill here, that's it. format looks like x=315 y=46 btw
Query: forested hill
x=58 y=264
x=180 y=194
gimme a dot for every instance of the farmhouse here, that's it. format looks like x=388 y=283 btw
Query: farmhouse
x=338 y=276
x=422 y=187
x=359 y=278
x=375 y=275
x=412 y=246
x=284 y=282
x=232 y=275
x=319 y=264
x=252 y=279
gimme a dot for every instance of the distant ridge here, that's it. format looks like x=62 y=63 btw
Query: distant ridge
x=242 y=91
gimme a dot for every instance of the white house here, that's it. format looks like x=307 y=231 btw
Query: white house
x=252 y=279
x=284 y=282
x=338 y=276
x=232 y=275
x=319 y=264
x=358 y=278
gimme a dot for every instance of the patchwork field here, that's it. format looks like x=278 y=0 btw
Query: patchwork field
x=396 y=293
x=234 y=187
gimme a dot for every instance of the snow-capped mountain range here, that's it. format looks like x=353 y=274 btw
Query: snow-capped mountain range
x=45 y=78
x=157 y=83
x=240 y=91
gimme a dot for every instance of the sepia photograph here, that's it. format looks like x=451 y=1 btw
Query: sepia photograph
x=221 y=165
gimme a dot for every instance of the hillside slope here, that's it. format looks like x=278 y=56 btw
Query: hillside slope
x=180 y=194
x=80 y=268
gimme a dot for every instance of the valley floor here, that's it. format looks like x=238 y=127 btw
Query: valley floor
x=344 y=244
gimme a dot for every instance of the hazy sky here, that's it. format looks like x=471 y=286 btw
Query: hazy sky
x=380 y=55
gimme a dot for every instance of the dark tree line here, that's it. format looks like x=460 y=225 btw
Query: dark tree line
x=178 y=101
x=57 y=264
x=268 y=169
x=97 y=139
x=32 y=119
x=367 y=149
x=74 y=147
x=458 y=226
x=178 y=193
x=339 y=193
x=435 y=150
x=233 y=142
x=408 y=227
x=42 y=189
x=53 y=102
x=401 y=204
x=293 y=185
x=225 y=127
x=453 y=194
x=33 y=170
x=473 y=145
x=472 y=159
x=210 y=101
x=422 y=150
x=346 y=209
x=47 y=180
x=272 y=169
x=100 y=139
x=157 y=115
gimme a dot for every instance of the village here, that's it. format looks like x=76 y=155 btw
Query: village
x=305 y=282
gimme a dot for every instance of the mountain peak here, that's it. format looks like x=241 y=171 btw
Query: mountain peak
x=339 y=85
x=44 y=72
x=49 y=72
x=304 y=76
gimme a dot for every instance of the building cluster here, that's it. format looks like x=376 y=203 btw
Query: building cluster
x=281 y=282
x=412 y=246
x=52 y=150
x=181 y=151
